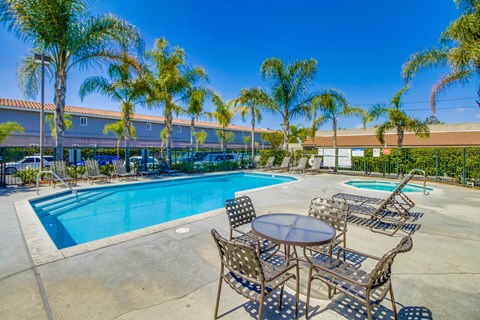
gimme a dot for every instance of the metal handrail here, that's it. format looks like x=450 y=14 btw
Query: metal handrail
x=424 y=179
x=56 y=176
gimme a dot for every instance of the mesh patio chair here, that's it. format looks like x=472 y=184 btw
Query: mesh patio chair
x=367 y=286
x=166 y=169
x=284 y=166
x=267 y=165
x=315 y=167
x=92 y=171
x=255 y=162
x=334 y=213
x=60 y=169
x=120 y=171
x=302 y=163
x=247 y=274
x=240 y=212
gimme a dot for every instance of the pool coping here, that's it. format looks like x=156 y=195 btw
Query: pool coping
x=371 y=179
x=43 y=250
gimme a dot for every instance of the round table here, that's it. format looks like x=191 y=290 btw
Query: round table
x=293 y=229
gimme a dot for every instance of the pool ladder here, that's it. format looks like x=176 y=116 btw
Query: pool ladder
x=424 y=179
x=59 y=179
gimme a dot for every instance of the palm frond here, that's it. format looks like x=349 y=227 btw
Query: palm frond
x=425 y=59
x=445 y=82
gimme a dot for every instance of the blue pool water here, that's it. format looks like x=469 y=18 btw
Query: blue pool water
x=107 y=211
x=385 y=186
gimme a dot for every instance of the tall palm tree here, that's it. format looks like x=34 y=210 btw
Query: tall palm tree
x=118 y=129
x=366 y=116
x=67 y=122
x=251 y=101
x=7 y=128
x=459 y=50
x=333 y=105
x=298 y=133
x=71 y=36
x=171 y=83
x=224 y=114
x=397 y=119
x=195 y=103
x=200 y=137
x=126 y=85
x=288 y=89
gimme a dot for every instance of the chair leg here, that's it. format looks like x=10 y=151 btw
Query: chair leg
x=369 y=310
x=260 y=310
x=281 y=296
x=394 y=308
x=218 y=296
x=309 y=287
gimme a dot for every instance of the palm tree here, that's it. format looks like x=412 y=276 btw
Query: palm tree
x=196 y=99
x=200 y=138
x=67 y=121
x=333 y=105
x=251 y=101
x=366 y=116
x=246 y=141
x=172 y=82
x=399 y=120
x=7 y=128
x=125 y=85
x=298 y=133
x=118 y=129
x=71 y=37
x=224 y=114
x=459 y=50
x=288 y=95
x=274 y=138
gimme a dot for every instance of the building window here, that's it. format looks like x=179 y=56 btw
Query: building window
x=179 y=129
x=83 y=121
x=92 y=145
x=149 y=126
x=75 y=146
x=33 y=145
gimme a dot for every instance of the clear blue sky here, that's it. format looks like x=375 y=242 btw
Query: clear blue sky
x=360 y=47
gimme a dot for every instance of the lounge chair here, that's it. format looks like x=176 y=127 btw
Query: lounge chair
x=302 y=163
x=315 y=167
x=166 y=169
x=268 y=165
x=255 y=162
x=240 y=212
x=92 y=171
x=284 y=166
x=247 y=274
x=60 y=169
x=120 y=171
x=334 y=213
x=358 y=283
x=395 y=209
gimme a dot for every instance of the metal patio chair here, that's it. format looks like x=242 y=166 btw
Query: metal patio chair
x=92 y=171
x=302 y=163
x=315 y=167
x=60 y=169
x=240 y=212
x=334 y=213
x=247 y=274
x=367 y=286
x=268 y=164
x=120 y=171
x=284 y=166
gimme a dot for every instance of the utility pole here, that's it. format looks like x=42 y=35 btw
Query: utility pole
x=42 y=59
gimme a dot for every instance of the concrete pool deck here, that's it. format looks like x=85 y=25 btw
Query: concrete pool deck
x=166 y=275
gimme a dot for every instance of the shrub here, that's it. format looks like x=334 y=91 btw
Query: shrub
x=27 y=175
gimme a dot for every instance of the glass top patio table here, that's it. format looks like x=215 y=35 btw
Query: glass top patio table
x=293 y=229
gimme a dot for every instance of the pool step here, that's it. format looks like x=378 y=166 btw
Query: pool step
x=72 y=206
x=48 y=207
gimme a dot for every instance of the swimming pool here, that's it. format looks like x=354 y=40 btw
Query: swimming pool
x=101 y=212
x=385 y=186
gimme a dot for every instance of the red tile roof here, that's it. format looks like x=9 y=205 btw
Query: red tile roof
x=22 y=104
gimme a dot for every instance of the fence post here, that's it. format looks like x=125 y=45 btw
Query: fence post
x=364 y=163
x=464 y=169
x=336 y=159
x=436 y=163
x=3 y=176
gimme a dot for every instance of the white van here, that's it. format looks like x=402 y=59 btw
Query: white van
x=218 y=157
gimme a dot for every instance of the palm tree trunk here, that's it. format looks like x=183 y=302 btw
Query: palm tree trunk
x=168 y=132
x=127 y=123
x=400 y=133
x=59 y=99
x=286 y=132
x=224 y=143
x=253 y=133
x=312 y=131
x=118 y=147
x=192 y=133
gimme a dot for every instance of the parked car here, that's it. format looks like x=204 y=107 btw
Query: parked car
x=137 y=162
x=195 y=156
x=218 y=157
x=30 y=161
x=102 y=160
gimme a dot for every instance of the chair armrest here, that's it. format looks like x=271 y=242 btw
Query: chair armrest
x=338 y=275
x=250 y=236
x=356 y=252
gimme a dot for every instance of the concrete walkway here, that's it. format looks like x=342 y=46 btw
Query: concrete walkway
x=166 y=275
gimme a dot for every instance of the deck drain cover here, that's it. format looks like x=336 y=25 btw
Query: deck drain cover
x=182 y=230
